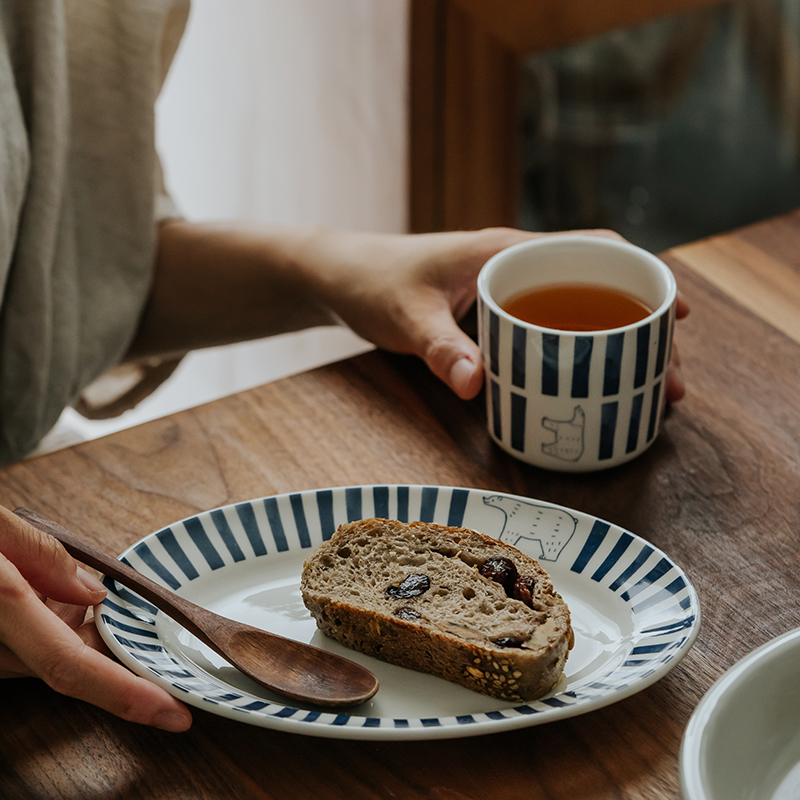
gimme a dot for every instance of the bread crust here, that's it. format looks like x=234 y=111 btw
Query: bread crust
x=358 y=589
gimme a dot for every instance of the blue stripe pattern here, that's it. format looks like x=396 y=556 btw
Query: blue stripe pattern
x=518 y=356
x=146 y=554
x=325 y=507
x=226 y=534
x=518 y=409
x=634 y=566
x=128 y=597
x=300 y=522
x=121 y=626
x=652 y=577
x=642 y=355
x=170 y=544
x=613 y=557
x=662 y=594
x=197 y=533
x=276 y=525
x=663 y=336
x=634 y=422
x=593 y=542
x=614 y=560
x=550 y=345
x=402 y=503
x=132 y=643
x=576 y=366
x=613 y=370
x=672 y=627
x=497 y=422
x=608 y=430
x=131 y=600
x=494 y=342
x=353 y=502
x=458 y=505
x=427 y=509
x=654 y=409
x=380 y=497
x=247 y=517
x=581 y=366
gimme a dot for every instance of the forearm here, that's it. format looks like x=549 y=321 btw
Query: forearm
x=216 y=285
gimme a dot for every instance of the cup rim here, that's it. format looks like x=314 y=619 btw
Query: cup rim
x=491 y=265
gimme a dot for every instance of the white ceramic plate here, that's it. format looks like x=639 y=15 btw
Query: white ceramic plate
x=634 y=612
x=743 y=740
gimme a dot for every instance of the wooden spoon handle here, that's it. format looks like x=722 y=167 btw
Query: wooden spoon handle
x=300 y=671
x=173 y=605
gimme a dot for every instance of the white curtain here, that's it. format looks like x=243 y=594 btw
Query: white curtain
x=289 y=111
x=282 y=111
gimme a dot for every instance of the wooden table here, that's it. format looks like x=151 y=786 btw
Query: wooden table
x=718 y=492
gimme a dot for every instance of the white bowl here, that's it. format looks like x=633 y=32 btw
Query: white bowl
x=743 y=740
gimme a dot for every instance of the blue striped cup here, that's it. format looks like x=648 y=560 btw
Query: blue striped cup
x=567 y=400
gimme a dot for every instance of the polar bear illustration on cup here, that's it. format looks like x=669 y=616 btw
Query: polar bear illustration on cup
x=551 y=528
x=568 y=442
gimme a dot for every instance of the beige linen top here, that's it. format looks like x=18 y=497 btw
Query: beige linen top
x=79 y=195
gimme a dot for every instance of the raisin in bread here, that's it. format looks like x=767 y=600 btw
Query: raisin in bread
x=449 y=601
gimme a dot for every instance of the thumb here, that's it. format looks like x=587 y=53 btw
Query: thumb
x=465 y=377
x=451 y=355
x=45 y=564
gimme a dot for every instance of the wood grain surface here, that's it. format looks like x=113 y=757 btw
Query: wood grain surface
x=717 y=492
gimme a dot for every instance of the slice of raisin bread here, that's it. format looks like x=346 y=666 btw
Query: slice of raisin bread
x=449 y=601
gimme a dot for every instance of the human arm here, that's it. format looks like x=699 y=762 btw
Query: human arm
x=216 y=285
x=44 y=597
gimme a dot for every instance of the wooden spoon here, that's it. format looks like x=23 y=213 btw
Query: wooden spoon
x=294 y=669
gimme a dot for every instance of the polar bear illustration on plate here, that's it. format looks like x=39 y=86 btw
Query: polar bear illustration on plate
x=550 y=527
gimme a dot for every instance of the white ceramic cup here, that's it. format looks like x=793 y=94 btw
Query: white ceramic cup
x=567 y=400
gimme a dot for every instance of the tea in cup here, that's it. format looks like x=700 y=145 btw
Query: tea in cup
x=576 y=334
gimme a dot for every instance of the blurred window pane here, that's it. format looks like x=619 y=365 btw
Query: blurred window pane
x=668 y=132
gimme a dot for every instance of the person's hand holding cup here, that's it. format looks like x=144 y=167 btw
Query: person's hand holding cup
x=575 y=333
